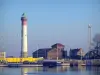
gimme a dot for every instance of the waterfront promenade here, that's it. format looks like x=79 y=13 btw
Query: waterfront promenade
x=63 y=63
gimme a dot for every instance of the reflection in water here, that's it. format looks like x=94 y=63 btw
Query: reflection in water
x=78 y=70
x=1 y=71
x=93 y=70
x=24 y=71
x=61 y=70
x=30 y=70
x=55 y=69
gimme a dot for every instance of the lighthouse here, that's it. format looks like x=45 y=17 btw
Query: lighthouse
x=24 y=49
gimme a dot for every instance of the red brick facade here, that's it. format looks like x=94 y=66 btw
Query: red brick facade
x=56 y=51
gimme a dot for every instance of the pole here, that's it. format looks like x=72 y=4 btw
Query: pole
x=89 y=32
x=45 y=54
x=57 y=54
x=81 y=56
x=37 y=51
x=89 y=37
x=37 y=55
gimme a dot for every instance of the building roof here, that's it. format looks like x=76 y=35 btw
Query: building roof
x=58 y=44
x=75 y=50
x=42 y=50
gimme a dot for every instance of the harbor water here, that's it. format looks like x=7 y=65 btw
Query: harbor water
x=61 y=70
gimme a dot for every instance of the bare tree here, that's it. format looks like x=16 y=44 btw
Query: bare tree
x=96 y=40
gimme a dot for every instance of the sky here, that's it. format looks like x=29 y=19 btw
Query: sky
x=49 y=22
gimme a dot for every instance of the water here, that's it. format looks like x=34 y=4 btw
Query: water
x=50 y=71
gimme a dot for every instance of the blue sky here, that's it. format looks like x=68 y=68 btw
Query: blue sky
x=49 y=22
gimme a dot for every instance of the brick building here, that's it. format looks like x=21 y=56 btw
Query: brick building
x=55 y=52
x=76 y=53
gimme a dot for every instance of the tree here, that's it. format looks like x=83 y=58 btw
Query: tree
x=96 y=40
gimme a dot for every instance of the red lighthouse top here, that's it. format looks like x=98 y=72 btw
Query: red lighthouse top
x=24 y=19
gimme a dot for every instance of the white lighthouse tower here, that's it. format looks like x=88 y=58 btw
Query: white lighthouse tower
x=24 y=49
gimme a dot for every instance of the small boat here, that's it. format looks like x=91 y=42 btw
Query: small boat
x=14 y=64
x=51 y=63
